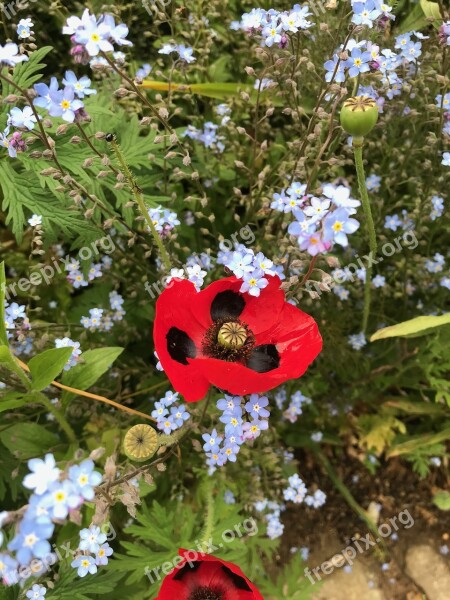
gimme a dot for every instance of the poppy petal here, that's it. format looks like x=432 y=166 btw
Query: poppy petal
x=259 y=312
x=178 y=337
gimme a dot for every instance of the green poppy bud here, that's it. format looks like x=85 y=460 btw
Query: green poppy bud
x=359 y=115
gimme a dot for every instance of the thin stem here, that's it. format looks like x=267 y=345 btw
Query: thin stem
x=77 y=392
x=358 y=153
x=64 y=424
x=209 y=522
x=136 y=191
x=93 y=148
x=345 y=492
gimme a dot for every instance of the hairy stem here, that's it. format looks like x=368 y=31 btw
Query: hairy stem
x=358 y=153
x=140 y=202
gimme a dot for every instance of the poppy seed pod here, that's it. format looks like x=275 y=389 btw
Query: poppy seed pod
x=359 y=115
x=140 y=443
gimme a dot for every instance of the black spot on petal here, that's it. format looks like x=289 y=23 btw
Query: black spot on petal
x=264 y=358
x=180 y=346
x=227 y=304
x=238 y=581
x=189 y=567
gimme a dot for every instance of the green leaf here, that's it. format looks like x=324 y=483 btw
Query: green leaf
x=419 y=442
x=45 y=367
x=3 y=336
x=28 y=440
x=12 y=400
x=431 y=10
x=70 y=587
x=413 y=327
x=8 y=361
x=417 y=18
x=416 y=408
x=95 y=364
x=27 y=73
x=23 y=196
x=442 y=500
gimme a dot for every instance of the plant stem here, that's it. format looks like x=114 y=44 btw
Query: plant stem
x=343 y=489
x=64 y=424
x=358 y=152
x=209 y=522
x=140 y=202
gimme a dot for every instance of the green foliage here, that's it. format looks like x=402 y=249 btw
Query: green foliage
x=442 y=500
x=415 y=327
x=45 y=367
x=71 y=587
x=291 y=583
x=28 y=440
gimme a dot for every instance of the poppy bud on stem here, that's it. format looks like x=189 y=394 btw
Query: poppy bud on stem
x=359 y=116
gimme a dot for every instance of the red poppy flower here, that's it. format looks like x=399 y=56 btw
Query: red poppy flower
x=240 y=343
x=206 y=577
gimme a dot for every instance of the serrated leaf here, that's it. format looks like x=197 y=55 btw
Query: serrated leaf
x=28 y=440
x=378 y=431
x=71 y=587
x=3 y=335
x=413 y=327
x=22 y=194
x=45 y=367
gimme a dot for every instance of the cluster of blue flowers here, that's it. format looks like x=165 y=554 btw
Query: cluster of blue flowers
x=163 y=219
x=92 y=541
x=17 y=327
x=295 y=406
x=74 y=357
x=272 y=516
x=185 y=53
x=208 y=136
x=444 y=33
x=373 y=183
x=91 y=35
x=177 y=417
x=274 y=26
x=193 y=273
x=296 y=492
x=436 y=266
x=366 y=57
x=221 y=449
x=368 y=12
x=319 y=222
x=25 y=28
x=103 y=321
x=393 y=222
x=357 y=341
x=77 y=278
x=65 y=103
x=55 y=495
x=249 y=267
x=437 y=203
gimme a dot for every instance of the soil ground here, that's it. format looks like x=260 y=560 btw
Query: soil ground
x=393 y=489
